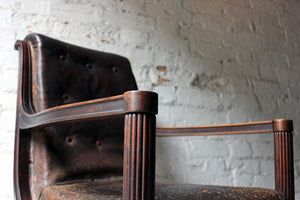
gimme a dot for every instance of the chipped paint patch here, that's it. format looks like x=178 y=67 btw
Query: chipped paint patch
x=213 y=82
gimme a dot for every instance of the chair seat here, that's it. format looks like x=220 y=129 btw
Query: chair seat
x=112 y=189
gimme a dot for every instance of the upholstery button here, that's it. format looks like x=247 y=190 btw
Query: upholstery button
x=98 y=143
x=62 y=57
x=65 y=97
x=89 y=66
x=115 y=69
x=69 y=139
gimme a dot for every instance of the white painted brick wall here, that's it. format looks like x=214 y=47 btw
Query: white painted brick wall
x=211 y=62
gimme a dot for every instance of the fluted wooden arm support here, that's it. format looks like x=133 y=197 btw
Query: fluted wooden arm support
x=139 y=146
x=283 y=145
x=283 y=157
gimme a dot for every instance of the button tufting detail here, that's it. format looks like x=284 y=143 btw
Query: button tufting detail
x=69 y=139
x=65 y=97
x=62 y=57
x=89 y=66
x=98 y=143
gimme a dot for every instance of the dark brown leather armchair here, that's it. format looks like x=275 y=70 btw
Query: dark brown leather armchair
x=84 y=131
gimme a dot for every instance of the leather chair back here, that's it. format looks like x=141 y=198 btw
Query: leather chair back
x=62 y=73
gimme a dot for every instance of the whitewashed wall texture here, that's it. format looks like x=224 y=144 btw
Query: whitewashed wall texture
x=212 y=62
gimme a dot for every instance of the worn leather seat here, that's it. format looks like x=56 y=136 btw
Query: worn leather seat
x=85 y=160
x=112 y=189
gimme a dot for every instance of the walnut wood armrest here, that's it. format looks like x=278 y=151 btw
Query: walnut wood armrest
x=132 y=101
x=73 y=112
x=283 y=144
x=225 y=129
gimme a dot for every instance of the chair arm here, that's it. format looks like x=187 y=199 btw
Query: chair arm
x=88 y=110
x=283 y=145
x=72 y=112
x=225 y=129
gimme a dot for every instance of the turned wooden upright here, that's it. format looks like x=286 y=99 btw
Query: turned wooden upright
x=283 y=157
x=139 y=146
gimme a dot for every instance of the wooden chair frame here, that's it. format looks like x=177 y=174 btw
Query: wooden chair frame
x=139 y=109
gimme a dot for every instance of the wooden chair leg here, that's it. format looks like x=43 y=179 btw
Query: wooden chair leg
x=283 y=157
x=139 y=157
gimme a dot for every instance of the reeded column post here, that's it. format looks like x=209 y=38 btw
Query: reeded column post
x=139 y=145
x=283 y=157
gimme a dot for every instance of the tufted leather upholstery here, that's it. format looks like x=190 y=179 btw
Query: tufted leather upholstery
x=61 y=74
x=65 y=73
